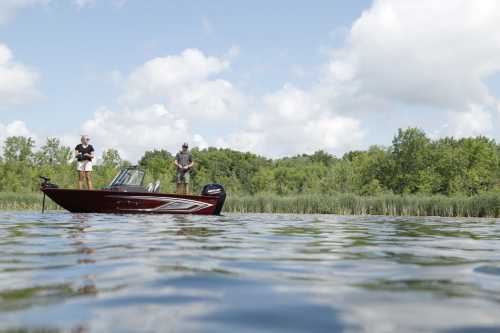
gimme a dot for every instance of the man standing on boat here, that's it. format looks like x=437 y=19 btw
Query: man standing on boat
x=184 y=163
x=84 y=154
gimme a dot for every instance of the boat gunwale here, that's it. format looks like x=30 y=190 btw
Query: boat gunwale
x=46 y=190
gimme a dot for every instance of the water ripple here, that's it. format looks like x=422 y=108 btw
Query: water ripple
x=245 y=273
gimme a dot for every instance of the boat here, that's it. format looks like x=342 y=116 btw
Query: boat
x=126 y=194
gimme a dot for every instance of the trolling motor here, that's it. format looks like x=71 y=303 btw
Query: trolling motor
x=43 y=185
x=46 y=183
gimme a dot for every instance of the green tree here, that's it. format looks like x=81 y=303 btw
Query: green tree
x=371 y=170
x=482 y=163
x=323 y=157
x=17 y=172
x=159 y=166
x=53 y=153
x=18 y=149
x=411 y=152
x=412 y=164
x=53 y=160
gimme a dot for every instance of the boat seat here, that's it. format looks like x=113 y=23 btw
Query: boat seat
x=156 y=187
x=149 y=188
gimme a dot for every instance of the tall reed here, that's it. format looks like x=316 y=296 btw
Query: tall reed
x=24 y=201
x=485 y=205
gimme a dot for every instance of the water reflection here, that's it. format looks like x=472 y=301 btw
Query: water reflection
x=64 y=272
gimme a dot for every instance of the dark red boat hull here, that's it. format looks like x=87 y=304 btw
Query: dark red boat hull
x=105 y=201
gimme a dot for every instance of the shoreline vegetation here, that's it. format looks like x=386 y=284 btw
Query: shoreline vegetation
x=485 y=205
x=414 y=175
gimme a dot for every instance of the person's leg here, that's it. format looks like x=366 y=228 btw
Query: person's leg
x=81 y=175
x=178 y=187
x=88 y=175
x=186 y=183
x=179 y=181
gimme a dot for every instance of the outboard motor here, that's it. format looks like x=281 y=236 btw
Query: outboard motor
x=215 y=190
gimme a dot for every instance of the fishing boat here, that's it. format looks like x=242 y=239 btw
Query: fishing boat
x=126 y=194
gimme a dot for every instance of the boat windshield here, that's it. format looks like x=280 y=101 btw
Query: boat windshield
x=128 y=177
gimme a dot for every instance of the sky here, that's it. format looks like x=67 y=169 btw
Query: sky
x=276 y=78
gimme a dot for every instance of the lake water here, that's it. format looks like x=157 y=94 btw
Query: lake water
x=247 y=273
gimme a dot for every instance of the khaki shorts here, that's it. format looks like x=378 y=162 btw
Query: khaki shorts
x=182 y=177
x=84 y=165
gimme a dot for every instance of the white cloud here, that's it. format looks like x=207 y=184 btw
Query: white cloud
x=158 y=76
x=8 y=8
x=185 y=84
x=17 y=82
x=473 y=122
x=431 y=53
x=132 y=131
x=294 y=121
x=15 y=128
x=5 y=55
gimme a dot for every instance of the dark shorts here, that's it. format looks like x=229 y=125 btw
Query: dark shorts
x=182 y=177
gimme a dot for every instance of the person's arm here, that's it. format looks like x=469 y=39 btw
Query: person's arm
x=176 y=162
x=91 y=155
x=76 y=152
x=191 y=163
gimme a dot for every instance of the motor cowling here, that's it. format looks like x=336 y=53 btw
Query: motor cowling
x=215 y=190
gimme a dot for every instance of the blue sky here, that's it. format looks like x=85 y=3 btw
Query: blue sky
x=276 y=78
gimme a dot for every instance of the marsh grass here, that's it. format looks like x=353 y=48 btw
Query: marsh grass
x=484 y=205
x=24 y=201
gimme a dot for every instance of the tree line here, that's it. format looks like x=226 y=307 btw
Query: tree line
x=412 y=164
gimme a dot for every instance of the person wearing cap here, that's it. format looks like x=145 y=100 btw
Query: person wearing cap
x=184 y=163
x=84 y=154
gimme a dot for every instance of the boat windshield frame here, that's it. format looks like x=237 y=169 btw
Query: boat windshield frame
x=128 y=177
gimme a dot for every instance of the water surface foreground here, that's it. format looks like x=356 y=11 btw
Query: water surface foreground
x=247 y=273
